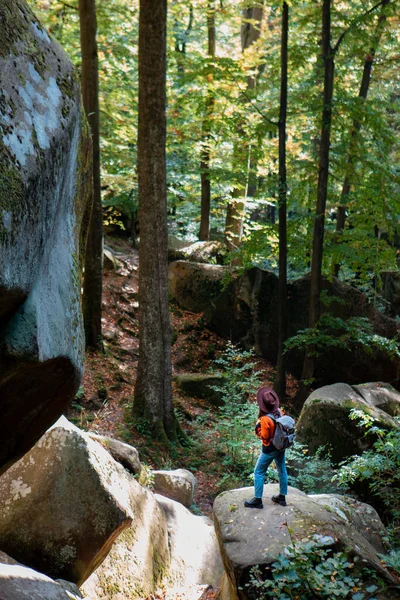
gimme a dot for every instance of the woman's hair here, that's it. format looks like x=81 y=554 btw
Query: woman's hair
x=262 y=413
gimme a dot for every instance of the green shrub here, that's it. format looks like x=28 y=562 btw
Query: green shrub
x=379 y=467
x=311 y=569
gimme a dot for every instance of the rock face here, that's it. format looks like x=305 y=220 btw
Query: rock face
x=247 y=539
x=193 y=285
x=177 y=485
x=139 y=559
x=200 y=385
x=123 y=453
x=195 y=555
x=324 y=419
x=45 y=185
x=21 y=583
x=64 y=503
x=199 y=252
x=246 y=312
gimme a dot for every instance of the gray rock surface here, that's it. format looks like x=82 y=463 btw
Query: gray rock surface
x=123 y=453
x=64 y=503
x=195 y=555
x=249 y=537
x=178 y=485
x=324 y=419
x=195 y=286
x=212 y=252
x=21 y=583
x=199 y=385
x=45 y=184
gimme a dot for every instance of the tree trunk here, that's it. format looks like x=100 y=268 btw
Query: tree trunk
x=153 y=390
x=322 y=189
x=280 y=383
x=355 y=130
x=93 y=277
x=250 y=33
x=205 y=159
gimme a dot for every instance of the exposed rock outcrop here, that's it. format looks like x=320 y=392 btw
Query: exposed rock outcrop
x=200 y=385
x=325 y=421
x=178 y=485
x=64 y=503
x=199 y=252
x=246 y=311
x=125 y=454
x=45 y=187
x=195 y=286
x=247 y=539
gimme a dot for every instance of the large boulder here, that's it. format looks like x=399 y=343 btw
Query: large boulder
x=134 y=568
x=195 y=286
x=139 y=559
x=21 y=583
x=195 y=555
x=325 y=417
x=201 y=385
x=125 y=454
x=45 y=187
x=64 y=503
x=178 y=485
x=212 y=252
x=245 y=310
x=247 y=539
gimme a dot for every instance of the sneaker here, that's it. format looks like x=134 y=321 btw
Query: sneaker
x=279 y=500
x=254 y=503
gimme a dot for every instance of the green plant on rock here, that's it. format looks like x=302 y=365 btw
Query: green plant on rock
x=311 y=569
x=312 y=473
x=379 y=467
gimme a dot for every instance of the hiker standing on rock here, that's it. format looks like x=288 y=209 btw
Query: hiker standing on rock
x=268 y=402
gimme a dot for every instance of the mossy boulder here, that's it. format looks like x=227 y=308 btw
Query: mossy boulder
x=69 y=499
x=194 y=286
x=246 y=312
x=200 y=385
x=248 y=538
x=45 y=191
x=212 y=252
x=325 y=420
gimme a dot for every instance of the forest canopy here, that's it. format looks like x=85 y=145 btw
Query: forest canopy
x=364 y=154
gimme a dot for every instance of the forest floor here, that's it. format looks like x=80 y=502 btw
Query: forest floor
x=103 y=403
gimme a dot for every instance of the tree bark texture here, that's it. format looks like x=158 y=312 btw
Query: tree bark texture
x=205 y=159
x=280 y=383
x=322 y=190
x=93 y=277
x=356 y=127
x=250 y=33
x=153 y=390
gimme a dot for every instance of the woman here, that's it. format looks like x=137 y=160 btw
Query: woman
x=268 y=402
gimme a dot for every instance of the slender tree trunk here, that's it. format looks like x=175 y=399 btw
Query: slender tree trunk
x=280 y=383
x=355 y=130
x=205 y=159
x=153 y=390
x=93 y=278
x=322 y=189
x=250 y=33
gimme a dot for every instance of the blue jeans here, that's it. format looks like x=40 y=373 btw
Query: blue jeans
x=263 y=462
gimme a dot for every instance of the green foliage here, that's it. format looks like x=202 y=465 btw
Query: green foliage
x=311 y=569
x=379 y=467
x=311 y=473
x=344 y=334
x=234 y=440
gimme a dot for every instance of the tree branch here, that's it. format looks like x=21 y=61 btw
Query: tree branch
x=356 y=22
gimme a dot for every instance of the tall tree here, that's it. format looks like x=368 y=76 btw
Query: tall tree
x=322 y=190
x=280 y=383
x=153 y=390
x=250 y=33
x=93 y=277
x=356 y=127
x=205 y=158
